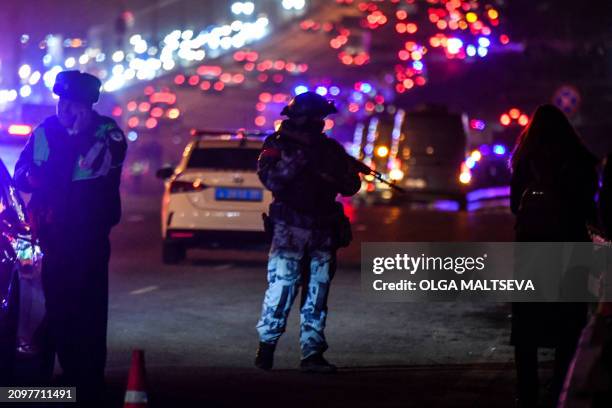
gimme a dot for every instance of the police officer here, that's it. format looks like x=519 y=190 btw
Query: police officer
x=72 y=165
x=305 y=170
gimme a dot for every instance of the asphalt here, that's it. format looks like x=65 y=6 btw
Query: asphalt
x=196 y=321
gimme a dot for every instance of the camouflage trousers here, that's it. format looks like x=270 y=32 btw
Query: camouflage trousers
x=298 y=258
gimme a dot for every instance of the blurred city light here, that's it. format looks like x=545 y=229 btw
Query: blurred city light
x=499 y=149
x=300 y=89
x=293 y=4
x=19 y=130
x=321 y=90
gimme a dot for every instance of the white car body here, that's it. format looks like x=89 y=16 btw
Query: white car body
x=213 y=201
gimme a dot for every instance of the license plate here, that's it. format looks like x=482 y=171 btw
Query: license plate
x=238 y=194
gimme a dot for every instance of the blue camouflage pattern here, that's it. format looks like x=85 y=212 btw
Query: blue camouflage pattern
x=298 y=257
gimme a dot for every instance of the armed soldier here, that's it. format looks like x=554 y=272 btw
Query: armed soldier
x=305 y=170
x=72 y=166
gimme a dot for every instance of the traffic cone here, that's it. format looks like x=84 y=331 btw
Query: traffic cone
x=136 y=394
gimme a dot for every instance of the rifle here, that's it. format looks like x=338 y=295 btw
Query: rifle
x=367 y=170
x=361 y=168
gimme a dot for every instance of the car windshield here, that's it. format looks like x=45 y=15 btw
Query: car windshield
x=235 y=158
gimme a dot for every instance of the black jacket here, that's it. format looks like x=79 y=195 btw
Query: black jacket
x=78 y=176
x=605 y=198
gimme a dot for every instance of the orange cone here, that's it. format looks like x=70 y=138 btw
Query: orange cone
x=136 y=394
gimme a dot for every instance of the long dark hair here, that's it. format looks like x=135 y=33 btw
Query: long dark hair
x=549 y=133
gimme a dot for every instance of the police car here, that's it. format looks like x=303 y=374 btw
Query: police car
x=21 y=297
x=213 y=198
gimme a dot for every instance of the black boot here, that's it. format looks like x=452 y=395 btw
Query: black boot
x=316 y=364
x=264 y=358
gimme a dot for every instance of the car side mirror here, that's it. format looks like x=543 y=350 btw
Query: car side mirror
x=165 y=172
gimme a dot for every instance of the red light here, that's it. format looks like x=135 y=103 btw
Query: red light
x=157 y=112
x=399 y=27
x=514 y=113
x=262 y=77
x=179 y=79
x=403 y=55
x=226 y=77
x=252 y=56
x=523 y=120
x=260 y=106
x=19 y=130
x=210 y=70
x=163 y=97
x=401 y=14
x=194 y=80
x=278 y=78
x=205 y=85
x=117 y=111
x=353 y=107
x=131 y=106
x=279 y=65
x=144 y=106
x=265 y=97
x=239 y=56
x=279 y=98
x=504 y=39
x=149 y=90
x=219 y=86
x=505 y=119
x=151 y=123
x=249 y=66
x=420 y=81
x=238 y=78
x=133 y=122
x=411 y=28
x=260 y=121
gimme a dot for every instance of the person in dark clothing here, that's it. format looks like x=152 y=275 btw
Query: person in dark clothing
x=72 y=166
x=550 y=165
x=305 y=170
x=605 y=198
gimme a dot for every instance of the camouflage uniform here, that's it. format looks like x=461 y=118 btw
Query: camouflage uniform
x=303 y=250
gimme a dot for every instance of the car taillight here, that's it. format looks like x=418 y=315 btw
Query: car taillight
x=186 y=186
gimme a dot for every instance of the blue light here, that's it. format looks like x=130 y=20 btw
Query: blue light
x=357 y=97
x=484 y=42
x=499 y=149
x=334 y=90
x=470 y=163
x=470 y=50
x=132 y=136
x=300 y=89
x=482 y=51
x=365 y=87
x=418 y=65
